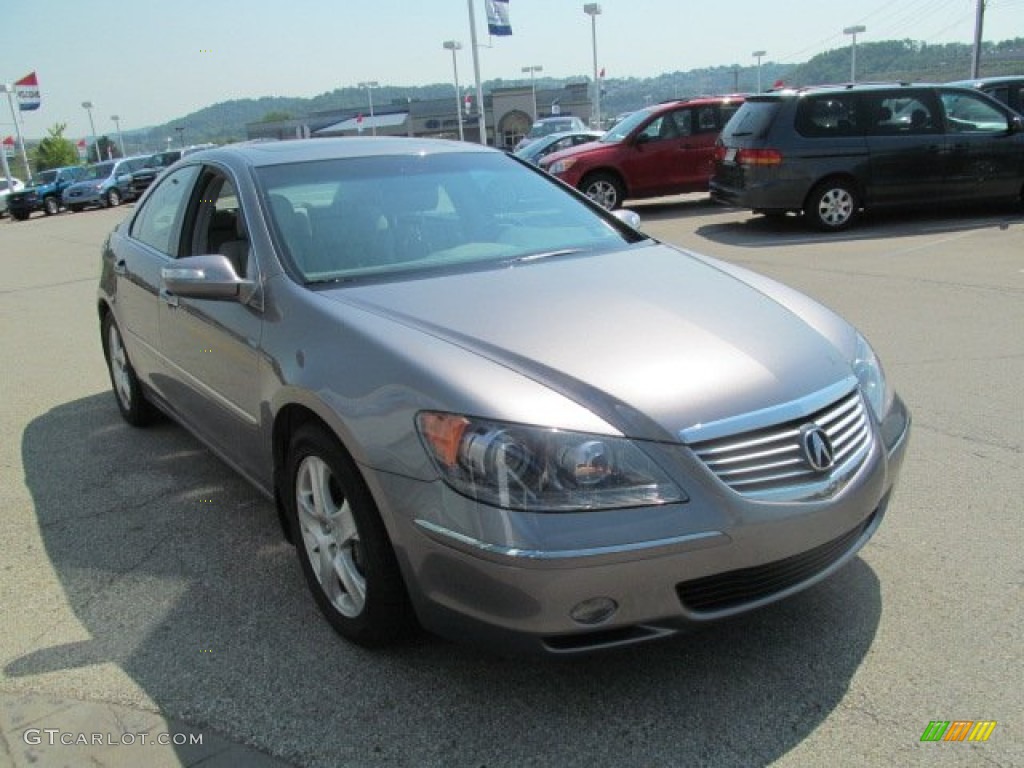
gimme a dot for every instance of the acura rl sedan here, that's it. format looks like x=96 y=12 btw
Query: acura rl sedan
x=484 y=405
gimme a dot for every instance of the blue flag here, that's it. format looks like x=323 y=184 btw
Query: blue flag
x=497 y=18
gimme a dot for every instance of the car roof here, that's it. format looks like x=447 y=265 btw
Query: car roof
x=995 y=80
x=307 y=150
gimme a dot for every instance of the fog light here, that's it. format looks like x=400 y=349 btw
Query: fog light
x=594 y=611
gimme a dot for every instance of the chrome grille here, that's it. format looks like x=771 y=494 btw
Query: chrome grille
x=766 y=461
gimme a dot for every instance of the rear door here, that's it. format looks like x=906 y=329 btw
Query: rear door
x=906 y=146
x=986 y=157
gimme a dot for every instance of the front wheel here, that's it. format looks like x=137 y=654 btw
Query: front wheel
x=343 y=547
x=131 y=401
x=832 y=205
x=604 y=189
x=113 y=198
x=50 y=206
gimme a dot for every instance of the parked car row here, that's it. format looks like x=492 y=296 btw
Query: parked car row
x=827 y=152
x=104 y=184
x=832 y=152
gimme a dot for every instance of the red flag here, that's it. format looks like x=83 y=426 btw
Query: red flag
x=9 y=141
x=81 y=144
x=27 y=90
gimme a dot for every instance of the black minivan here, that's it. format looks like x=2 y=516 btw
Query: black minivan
x=830 y=152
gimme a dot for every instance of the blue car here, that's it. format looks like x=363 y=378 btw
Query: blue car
x=105 y=184
x=555 y=142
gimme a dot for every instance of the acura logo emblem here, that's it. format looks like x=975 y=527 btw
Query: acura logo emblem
x=817 y=447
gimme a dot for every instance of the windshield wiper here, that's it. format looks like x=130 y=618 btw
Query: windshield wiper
x=544 y=255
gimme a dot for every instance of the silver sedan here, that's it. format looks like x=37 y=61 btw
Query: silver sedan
x=487 y=407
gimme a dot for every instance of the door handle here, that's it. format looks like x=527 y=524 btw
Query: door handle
x=168 y=298
x=120 y=267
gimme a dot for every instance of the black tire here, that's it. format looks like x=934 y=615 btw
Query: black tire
x=331 y=510
x=50 y=206
x=113 y=198
x=20 y=215
x=131 y=400
x=604 y=189
x=832 y=205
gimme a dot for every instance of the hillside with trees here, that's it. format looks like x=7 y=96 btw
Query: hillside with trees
x=888 y=60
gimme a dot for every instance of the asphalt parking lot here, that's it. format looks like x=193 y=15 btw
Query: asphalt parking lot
x=143 y=580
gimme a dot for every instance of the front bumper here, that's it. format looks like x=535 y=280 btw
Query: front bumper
x=512 y=580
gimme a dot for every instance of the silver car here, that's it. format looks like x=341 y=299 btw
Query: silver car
x=487 y=407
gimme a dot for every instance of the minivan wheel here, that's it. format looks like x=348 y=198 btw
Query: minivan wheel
x=113 y=198
x=50 y=206
x=131 y=401
x=342 y=545
x=832 y=205
x=604 y=189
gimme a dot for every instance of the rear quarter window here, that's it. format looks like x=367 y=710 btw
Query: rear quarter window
x=754 y=118
x=825 y=116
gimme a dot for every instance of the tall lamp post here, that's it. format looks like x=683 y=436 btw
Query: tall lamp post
x=453 y=46
x=120 y=138
x=533 y=87
x=369 y=85
x=9 y=90
x=181 y=135
x=87 y=105
x=593 y=10
x=854 y=31
x=758 y=55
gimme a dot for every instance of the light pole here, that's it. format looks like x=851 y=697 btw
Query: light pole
x=758 y=55
x=369 y=85
x=533 y=87
x=87 y=105
x=181 y=135
x=453 y=46
x=593 y=10
x=854 y=31
x=120 y=138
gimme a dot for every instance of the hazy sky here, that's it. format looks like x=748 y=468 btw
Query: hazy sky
x=151 y=62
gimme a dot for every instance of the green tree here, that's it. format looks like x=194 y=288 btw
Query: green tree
x=55 y=151
x=275 y=116
x=108 y=150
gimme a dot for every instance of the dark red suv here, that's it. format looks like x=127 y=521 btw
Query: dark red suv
x=665 y=149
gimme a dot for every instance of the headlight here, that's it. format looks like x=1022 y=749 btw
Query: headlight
x=541 y=469
x=561 y=166
x=868 y=369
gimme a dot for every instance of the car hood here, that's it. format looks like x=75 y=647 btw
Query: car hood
x=580 y=149
x=650 y=338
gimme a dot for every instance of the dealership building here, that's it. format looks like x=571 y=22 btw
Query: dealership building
x=509 y=115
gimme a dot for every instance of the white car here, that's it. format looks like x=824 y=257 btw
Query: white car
x=15 y=185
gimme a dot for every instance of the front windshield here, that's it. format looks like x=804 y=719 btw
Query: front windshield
x=541 y=128
x=98 y=171
x=625 y=126
x=45 y=177
x=375 y=217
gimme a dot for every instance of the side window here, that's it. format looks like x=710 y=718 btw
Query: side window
x=158 y=222
x=654 y=128
x=902 y=114
x=827 y=115
x=683 y=119
x=705 y=119
x=218 y=225
x=967 y=113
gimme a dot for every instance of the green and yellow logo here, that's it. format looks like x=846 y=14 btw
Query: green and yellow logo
x=958 y=730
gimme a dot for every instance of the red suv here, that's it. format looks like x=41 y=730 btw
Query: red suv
x=665 y=149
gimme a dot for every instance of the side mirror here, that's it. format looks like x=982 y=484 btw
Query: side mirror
x=641 y=139
x=207 y=277
x=630 y=218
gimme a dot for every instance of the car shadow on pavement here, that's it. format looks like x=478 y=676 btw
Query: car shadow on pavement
x=177 y=570
x=759 y=231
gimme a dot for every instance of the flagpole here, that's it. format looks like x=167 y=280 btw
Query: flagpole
x=17 y=130
x=476 y=73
